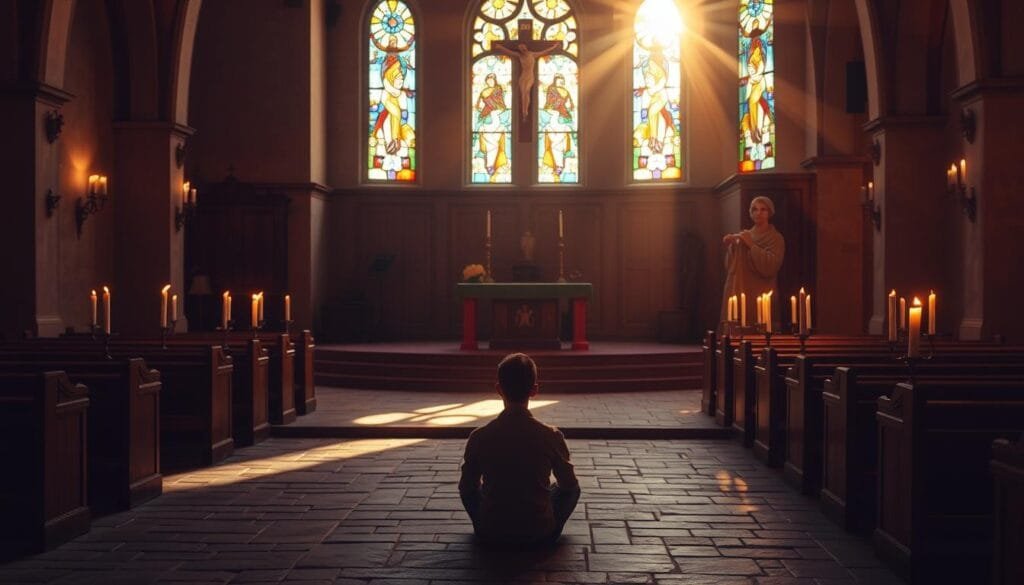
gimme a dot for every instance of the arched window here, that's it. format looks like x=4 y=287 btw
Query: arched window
x=757 y=85
x=391 y=141
x=524 y=84
x=657 y=88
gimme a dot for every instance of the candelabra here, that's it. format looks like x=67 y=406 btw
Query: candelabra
x=487 y=258
x=101 y=334
x=226 y=329
x=561 y=259
x=874 y=212
x=94 y=201
x=957 y=187
x=166 y=331
x=257 y=327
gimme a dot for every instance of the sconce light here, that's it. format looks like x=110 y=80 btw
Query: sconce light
x=867 y=201
x=956 y=186
x=968 y=124
x=54 y=123
x=94 y=201
x=52 y=201
x=187 y=210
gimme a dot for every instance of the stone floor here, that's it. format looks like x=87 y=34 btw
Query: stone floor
x=385 y=511
x=341 y=407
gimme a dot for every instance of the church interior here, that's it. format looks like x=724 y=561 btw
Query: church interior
x=764 y=253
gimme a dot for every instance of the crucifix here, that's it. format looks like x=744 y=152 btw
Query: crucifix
x=526 y=51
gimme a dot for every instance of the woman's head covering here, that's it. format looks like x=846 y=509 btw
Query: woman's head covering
x=766 y=201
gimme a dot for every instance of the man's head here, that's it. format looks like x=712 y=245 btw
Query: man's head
x=517 y=377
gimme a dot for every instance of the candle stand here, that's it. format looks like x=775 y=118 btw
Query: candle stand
x=767 y=337
x=257 y=328
x=166 y=331
x=487 y=257
x=561 y=260
x=226 y=330
x=288 y=325
x=803 y=336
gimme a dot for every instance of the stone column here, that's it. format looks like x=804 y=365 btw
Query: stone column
x=840 y=243
x=306 y=254
x=145 y=192
x=993 y=252
x=911 y=249
x=28 y=243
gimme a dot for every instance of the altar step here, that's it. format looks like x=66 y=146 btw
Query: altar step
x=560 y=371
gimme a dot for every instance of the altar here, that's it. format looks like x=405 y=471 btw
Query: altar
x=525 y=315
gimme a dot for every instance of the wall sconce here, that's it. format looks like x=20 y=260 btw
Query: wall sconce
x=187 y=210
x=968 y=124
x=867 y=201
x=956 y=185
x=53 y=123
x=52 y=201
x=94 y=201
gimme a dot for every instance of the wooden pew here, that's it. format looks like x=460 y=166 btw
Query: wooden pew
x=124 y=426
x=1008 y=512
x=305 y=390
x=850 y=434
x=723 y=380
x=708 y=394
x=935 y=491
x=196 y=399
x=43 y=441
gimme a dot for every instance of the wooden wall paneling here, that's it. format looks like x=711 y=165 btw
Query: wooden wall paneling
x=415 y=272
x=646 y=265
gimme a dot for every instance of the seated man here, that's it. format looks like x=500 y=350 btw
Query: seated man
x=514 y=456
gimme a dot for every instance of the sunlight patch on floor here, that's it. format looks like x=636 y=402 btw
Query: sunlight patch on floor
x=446 y=414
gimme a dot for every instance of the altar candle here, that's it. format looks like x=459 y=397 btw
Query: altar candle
x=287 y=307
x=92 y=299
x=931 y=313
x=255 y=310
x=808 y=302
x=914 y=333
x=561 y=225
x=743 y=309
x=106 y=310
x=963 y=171
x=192 y=196
x=891 y=314
x=93 y=183
x=163 y=305
x=801 y=312
x=103 y=185
x=760 y=309
x=174 y=307
x=185 y=188
x=488 y=223
x=730 y=312
x=225 y=309
x=792 y=310
x=903 y=313
x=261 y=305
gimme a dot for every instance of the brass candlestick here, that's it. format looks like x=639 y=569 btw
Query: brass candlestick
x=561 y=259
x=487 y=255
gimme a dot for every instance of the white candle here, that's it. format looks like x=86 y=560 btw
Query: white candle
x=255 y=310
x=768 y=310
x=185 y=188
x=891 y=314
x=261 y=305
x=801 y=313
x=561 y=226
x=488 y=223
x=103 y=184
x=92 y=299
x=914 y=333
x=903 y=313
x=287 y=307
x=808 y=301
x=743 y=309
x=931 y=313
x=163 y=305
x=106 y=310
x=194 y=196
x=174 y=307
x=871 y=190
x=792 y=310
x=760 y=309
x=225 y=310
x=963 y=171
x=94 y=181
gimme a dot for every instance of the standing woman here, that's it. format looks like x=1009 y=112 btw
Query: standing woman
x=753 y=256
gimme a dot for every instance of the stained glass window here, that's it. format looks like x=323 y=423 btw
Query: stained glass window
x=392 y=93
x=757 y=85
x=657 y=117
x=548 y=91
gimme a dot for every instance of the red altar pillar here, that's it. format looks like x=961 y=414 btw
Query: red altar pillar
x=579 y=325
x=468 y=323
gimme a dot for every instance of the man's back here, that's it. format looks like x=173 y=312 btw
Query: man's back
x=515 y=455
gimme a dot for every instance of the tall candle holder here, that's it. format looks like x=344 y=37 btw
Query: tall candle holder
x=166 y=331
x=767 y=334
x=226 y=330
x=561 y=260
x=487 y=258
x=287 y=325
x=257 y=327
x=803 y=336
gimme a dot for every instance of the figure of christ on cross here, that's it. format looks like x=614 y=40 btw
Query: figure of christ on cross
x=526 y=51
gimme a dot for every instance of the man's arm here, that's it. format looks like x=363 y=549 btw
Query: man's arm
x=562 y=466
x=469 y=483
